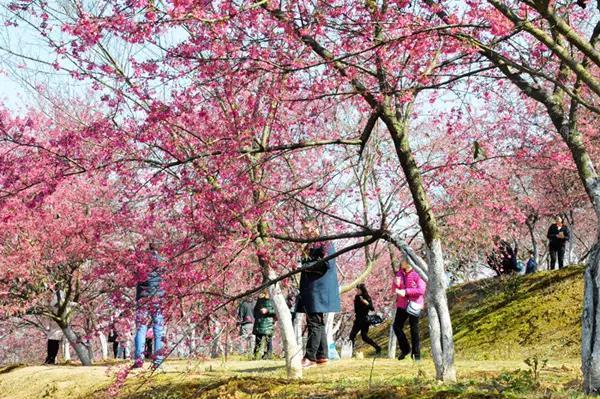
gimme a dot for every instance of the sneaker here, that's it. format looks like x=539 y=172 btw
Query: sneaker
x=322 y=361
x=402 y=355
x=307 y=363
x=416 y=358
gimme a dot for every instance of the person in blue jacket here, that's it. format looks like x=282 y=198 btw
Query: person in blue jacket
x=531 y=264
x=319 y=294
x=148 y=294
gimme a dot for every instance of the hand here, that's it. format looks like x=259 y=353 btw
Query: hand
x=401 y=292
x=263 y=310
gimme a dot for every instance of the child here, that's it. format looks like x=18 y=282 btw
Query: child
x=531 y=264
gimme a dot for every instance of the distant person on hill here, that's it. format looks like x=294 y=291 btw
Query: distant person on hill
x=319 y=294
x=558 y=235
x=246 y=322
x=502 y=259
x=409 y=289
x=362 y=305
x=148 y=297
x=264 y=326
x=531 y=264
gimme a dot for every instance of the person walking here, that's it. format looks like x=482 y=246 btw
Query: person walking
x=245 y=321
x=264 y=326
x=54 y=333
x=362 y=305
x=148 y=297
x=319 y=294
x=409 y=289
x=558 y=235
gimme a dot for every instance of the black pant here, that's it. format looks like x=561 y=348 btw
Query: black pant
x=557 y=253
x=115 y=348
x=53 y=345
x=264 y=344
x=316 y=345
x=362 y=326
x=415 y=340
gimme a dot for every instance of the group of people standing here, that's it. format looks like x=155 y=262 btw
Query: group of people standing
x=503 y=259
x=319 y=295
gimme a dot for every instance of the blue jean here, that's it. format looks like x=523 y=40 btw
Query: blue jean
x=141 y=322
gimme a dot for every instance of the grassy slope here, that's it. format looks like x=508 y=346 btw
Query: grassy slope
x=497 y=324
x=514 y=317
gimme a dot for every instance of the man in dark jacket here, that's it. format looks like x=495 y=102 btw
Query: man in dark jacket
x=264 y=326
x=147 y=296
x=319 y=294
x=558 y=235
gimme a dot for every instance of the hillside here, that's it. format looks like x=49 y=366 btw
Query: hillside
x=514 y=317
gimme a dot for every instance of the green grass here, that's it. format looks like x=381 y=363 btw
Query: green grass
x=381 y=378
x=498 y=323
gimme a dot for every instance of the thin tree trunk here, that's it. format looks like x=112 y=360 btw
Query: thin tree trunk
x=393 y=340
x=82 y=350
x=298 y=323
x=291 y=349
x=66 y=350
x=440 y=325
x=103 y=345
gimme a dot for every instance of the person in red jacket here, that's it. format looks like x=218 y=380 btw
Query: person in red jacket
x=409 y=289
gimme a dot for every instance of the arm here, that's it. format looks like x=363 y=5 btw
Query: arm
x=550 y=235
x=419 y=290
x=567 y=233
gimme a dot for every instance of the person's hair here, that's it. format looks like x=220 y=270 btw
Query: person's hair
x=531 y=252
x=363 y=290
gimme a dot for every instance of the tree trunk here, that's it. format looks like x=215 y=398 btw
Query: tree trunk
x=82 y=350
x=534 y=247
x=291 y=349
x=393 y=340
x=442 y=341
x=103 y=345
x=440 y=325
x=590 y=333
x=66 y=350
x=298 y=324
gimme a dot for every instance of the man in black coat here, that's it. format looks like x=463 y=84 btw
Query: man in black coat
x=558 y=235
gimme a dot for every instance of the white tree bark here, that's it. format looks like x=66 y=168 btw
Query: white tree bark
x=82 y=350
x=298 y=324
x=440 y=325
x=103 y=345
x=291 y=349
x=393 y=340
x=66 y=350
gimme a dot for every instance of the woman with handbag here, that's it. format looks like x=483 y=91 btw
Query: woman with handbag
x=409 y=289
x=362 y=305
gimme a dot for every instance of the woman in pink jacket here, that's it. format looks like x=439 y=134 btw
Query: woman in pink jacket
x=409 y=289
